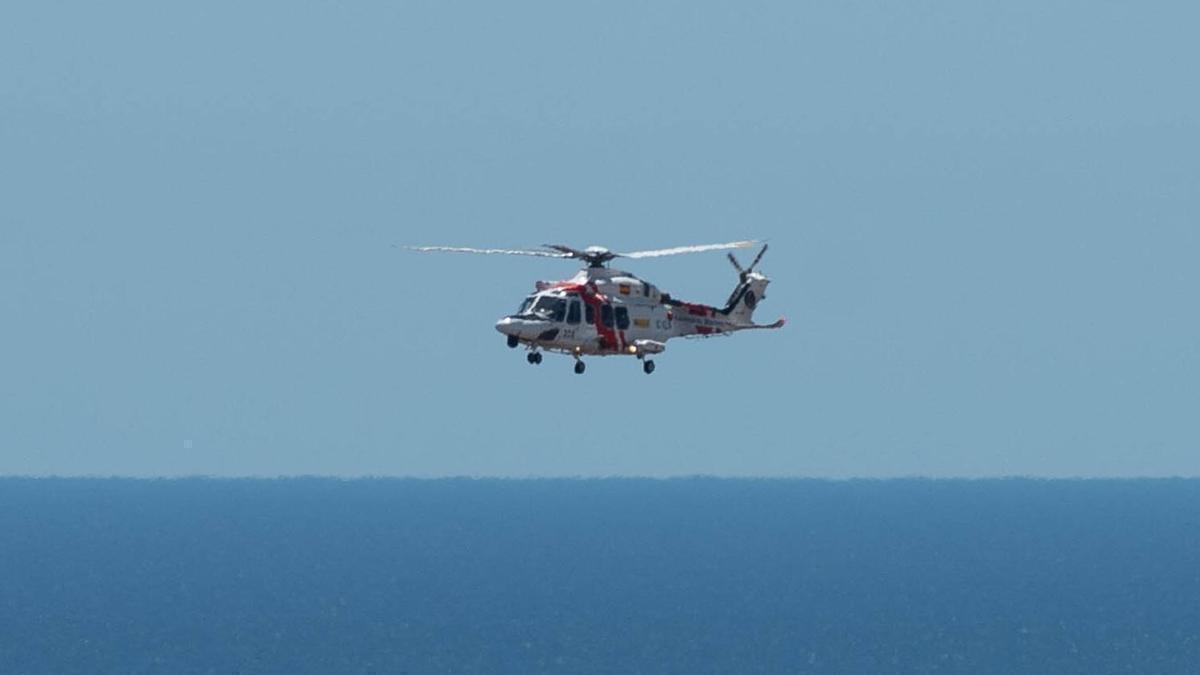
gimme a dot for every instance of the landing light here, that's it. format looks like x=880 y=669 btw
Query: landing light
x=632 y=349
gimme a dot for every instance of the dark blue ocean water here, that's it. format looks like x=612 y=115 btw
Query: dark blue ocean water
x=599 y=576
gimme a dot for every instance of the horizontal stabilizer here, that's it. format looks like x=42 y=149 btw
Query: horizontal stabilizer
x=759 y=326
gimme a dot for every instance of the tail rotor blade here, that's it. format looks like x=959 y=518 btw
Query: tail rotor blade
x=736 y=265
x=757 y=258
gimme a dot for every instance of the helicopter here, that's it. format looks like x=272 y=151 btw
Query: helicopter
x=603 y=311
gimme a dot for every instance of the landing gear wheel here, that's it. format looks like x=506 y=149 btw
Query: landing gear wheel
x=580 y=366
x=648 y=366
x=534 y=358
x=513 y=341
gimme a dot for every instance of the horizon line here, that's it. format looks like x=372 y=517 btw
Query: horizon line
x=589 y=477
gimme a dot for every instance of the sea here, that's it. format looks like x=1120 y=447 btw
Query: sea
x=619 y=575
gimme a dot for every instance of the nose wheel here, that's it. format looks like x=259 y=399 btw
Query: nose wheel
x=513 y=341
x=647 y=366
x=580 y=366
x=534 y=358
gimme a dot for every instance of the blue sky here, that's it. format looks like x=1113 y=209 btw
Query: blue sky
x=982 y=217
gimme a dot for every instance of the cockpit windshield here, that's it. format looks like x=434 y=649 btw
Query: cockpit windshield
x=549 y=307
x=525 y=305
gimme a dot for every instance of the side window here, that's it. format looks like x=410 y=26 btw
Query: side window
x=589 y=314
x=622 y=318
x=573 y=312
x=606 y=315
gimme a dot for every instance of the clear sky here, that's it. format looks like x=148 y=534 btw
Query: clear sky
x=983 y=220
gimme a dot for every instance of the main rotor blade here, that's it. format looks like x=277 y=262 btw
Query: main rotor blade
x=566 y=250
x=699 y=248
x=486 y=251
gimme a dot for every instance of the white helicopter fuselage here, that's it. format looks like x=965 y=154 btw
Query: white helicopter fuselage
x=603 y=312
x=606 y=312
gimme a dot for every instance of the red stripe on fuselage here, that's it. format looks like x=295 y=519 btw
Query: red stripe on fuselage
x=698 y=310
x=609 y=340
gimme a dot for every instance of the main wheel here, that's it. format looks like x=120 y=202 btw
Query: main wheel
x=580 y=366
x=648 y=366
x=534 y=358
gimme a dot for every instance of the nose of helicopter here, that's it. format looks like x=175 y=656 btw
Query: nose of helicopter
x=508 y=326
x=525 y=329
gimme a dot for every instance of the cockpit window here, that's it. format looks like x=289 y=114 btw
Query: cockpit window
x=549 y=307
x=573 y=312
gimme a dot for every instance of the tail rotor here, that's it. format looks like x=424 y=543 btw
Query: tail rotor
x=745 y=272
x=743 y=275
